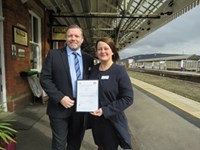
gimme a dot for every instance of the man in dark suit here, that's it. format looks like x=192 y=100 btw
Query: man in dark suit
x=58 y=79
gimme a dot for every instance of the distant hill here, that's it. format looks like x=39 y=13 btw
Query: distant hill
x=148 y=56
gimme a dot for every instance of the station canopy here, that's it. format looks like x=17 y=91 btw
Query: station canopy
x=126 y=21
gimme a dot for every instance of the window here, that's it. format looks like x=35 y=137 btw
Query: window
x=35 y=42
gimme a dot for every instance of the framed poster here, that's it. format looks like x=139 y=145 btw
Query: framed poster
x=20 y=36
x=59 y=33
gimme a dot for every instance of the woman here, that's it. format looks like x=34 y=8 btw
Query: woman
x=109 y=124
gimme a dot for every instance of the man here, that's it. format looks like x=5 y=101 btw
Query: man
x=58 y=79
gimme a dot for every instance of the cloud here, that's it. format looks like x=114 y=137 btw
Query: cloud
x=179 y=36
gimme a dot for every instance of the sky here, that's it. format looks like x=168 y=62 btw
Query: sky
x=180 y=36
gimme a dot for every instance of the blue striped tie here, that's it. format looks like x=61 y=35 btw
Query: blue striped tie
x=77 y=67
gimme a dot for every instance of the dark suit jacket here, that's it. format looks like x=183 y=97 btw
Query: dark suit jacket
x=56 y=80
x=115 y=95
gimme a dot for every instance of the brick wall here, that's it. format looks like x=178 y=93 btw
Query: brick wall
x=16 y=14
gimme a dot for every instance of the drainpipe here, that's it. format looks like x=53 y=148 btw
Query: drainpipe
x=3 y=88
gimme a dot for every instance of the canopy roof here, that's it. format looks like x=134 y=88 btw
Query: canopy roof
x=126 y=21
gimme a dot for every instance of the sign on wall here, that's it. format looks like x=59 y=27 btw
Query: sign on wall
x=20 y=36
x=21 y=52
x=58 y=33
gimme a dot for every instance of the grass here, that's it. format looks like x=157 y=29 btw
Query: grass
x=184 y=88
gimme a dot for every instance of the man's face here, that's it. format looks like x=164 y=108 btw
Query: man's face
x=74 y=38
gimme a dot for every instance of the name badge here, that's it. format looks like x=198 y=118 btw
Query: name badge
x=104 y=77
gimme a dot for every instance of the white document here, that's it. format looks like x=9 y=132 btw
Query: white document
x=87 y=95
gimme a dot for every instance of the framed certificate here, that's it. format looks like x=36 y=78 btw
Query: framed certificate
x=87 y=95
x=20 y=36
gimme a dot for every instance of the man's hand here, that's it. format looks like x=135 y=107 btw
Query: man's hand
x=67 y=102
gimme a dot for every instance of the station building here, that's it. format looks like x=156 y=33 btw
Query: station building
x=25 y=39
x=177 y=62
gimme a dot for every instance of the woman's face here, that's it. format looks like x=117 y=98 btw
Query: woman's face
x=103 y=51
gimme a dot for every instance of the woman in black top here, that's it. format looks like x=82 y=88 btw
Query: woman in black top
x=109 y=124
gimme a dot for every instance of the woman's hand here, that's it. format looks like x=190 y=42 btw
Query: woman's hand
x=98 y=112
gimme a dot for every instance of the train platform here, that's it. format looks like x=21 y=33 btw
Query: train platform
x=187 y=105
x=34 y=132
